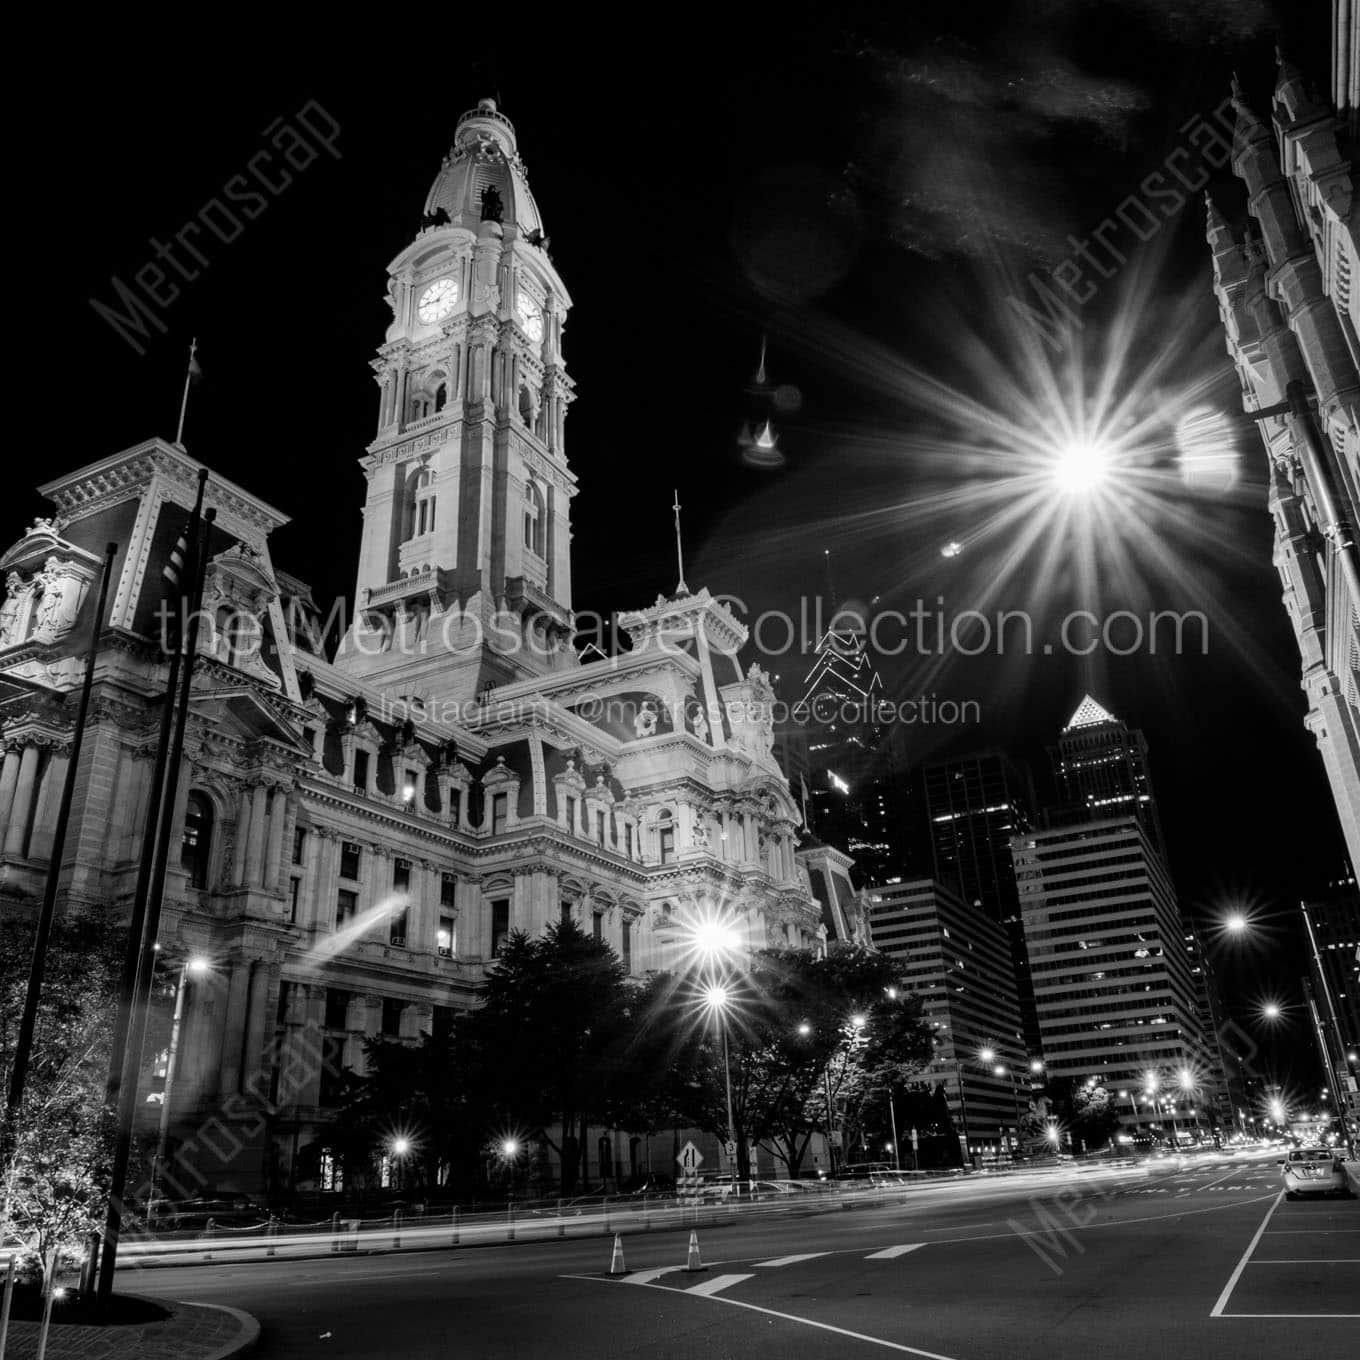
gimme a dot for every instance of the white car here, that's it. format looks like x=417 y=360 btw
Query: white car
x=1314 y=1171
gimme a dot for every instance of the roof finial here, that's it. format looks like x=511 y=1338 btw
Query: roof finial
x=682 y=588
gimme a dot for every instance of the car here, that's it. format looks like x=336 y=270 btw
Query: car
x=1314 y=1171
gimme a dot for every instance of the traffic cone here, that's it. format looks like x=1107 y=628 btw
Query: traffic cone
x=694 y=1264
x=616 y=1266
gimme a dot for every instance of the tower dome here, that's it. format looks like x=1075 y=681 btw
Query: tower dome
x=482 y=178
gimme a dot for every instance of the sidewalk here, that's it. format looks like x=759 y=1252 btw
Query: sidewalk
x=194 y=1331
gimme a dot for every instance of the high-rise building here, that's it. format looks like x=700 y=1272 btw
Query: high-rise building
x=1289 y=297
x=956 y=958
x=1335 y=923
x=1100 y=766
x=1217 y=1070
x=354 y=839
x=975 y=805
x=849 y=760
x=1112 y=981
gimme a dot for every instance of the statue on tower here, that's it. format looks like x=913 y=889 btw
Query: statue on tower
x=493 y=210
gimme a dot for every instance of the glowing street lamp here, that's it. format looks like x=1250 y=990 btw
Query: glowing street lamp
x=1081 y=465
x=1236 y=923
x=1271 y=1010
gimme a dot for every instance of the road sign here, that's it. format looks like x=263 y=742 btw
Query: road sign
x=690 y=1158
x=731 y=1149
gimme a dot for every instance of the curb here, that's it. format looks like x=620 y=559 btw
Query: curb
x=241 y=1345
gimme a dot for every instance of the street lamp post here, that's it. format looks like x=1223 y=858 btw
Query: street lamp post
x=718 y=999
x=194 y=966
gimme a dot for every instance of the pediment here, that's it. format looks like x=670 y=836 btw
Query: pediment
x=243 y=714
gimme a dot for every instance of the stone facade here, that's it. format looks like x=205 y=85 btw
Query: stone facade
x=1289 y=296
x=358 y=828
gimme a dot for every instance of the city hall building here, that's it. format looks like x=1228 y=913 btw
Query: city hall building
x=355 y=835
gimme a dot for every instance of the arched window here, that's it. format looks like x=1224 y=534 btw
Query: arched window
x=196 y=845
x=533 y=519
x=420 y=504
x=665 y=836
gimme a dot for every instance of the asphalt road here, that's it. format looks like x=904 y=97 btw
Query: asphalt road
x=1206 y=1261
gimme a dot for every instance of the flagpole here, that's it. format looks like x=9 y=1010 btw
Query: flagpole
x=137 y=1019
x=184 y=399
x=23 y=1046
x=682 y=588
x=133 y=952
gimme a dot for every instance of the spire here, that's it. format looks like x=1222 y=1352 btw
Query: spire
x=1089 y=714
x=1291 y=93
x=682 y=588
x=1247 y=121
x=1216 y=229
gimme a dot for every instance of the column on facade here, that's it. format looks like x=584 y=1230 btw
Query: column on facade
x=233 y=1027
x=259 y=1015
x=474 y=926
x=238 y=855
x=259 y=796
x=303 y=1047
x=9 y=781
x=47 y=799
x=325 y=877
x=281 y=806
x=311 y=872
x=24 y=789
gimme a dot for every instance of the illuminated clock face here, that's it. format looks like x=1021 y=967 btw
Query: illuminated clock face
x=438 y=300
x=530 y=317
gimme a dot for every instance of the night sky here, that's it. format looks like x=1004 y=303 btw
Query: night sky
x=859 y=187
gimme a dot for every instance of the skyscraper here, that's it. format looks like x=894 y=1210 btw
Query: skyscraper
x=957 y=960
x=848 y=760
x=975 y=805
x=1112 y=980
x=1100 y=766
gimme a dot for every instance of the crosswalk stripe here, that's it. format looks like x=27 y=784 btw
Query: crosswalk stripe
x=793 y=1260
x=716 y=1283
x=891 y=1253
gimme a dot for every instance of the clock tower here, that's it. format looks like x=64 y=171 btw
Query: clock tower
x=464 y=570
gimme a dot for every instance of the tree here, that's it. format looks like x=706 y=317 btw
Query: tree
x=56 y=1174
x=417 y=1091
x=796 y=1054
x=1094 y=1117
x=555 y=1020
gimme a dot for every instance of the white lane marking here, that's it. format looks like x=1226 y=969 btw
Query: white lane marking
x=792 y=1260
x=714 y=1285
x=1228 y=1288
x=892 y=1253
x=1290 y=1315
x=647 y=1276
x=787 y=1317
